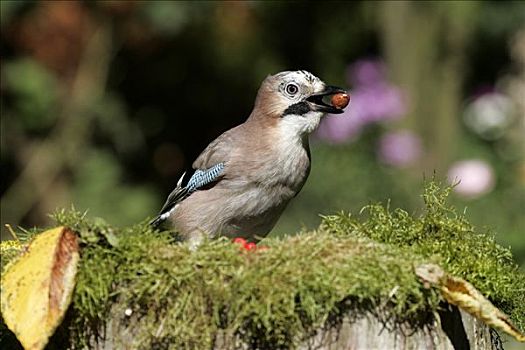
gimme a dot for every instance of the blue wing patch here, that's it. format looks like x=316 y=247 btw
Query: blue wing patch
x=186 y=187
x=202 y=178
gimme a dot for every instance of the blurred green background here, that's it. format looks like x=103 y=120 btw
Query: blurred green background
x=104 y=103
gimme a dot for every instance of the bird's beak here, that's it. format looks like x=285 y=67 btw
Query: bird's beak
x=327 y=101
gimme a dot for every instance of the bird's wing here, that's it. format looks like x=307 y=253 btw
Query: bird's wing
x=220 y=150
x=208 y=168
x=186 y=185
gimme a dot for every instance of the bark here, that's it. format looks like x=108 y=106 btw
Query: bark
x=449 y=329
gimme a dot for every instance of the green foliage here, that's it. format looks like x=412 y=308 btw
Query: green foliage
x=35 y=91
x=273 y=297
x=100 y=187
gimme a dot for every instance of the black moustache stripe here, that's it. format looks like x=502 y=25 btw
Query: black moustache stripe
x=299 y=108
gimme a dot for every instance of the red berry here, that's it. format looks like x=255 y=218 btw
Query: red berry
x=239 y=240
x=250 y=246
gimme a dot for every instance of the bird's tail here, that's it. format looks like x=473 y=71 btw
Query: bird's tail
x=155 y=223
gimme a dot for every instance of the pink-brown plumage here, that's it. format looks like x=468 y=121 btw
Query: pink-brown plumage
x=264 y=163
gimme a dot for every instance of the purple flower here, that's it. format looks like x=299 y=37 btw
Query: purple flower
x=373 y=100
x=400 y=148
x=366 y=72
x=473 y=177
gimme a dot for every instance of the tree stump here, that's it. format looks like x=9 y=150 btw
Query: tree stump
x=449 y=329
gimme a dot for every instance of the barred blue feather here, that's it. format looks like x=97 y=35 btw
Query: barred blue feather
x=198 y=180
x=202 y=178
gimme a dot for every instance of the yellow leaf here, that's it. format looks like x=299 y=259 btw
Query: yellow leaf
x=37 y=288
x=459 y=292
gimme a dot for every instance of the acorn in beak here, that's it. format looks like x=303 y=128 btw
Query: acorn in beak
x=331 y=100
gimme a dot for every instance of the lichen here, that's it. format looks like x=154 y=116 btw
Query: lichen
x=181 y=298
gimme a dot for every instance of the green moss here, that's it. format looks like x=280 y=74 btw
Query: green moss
x=443 y=235
x=276 y=296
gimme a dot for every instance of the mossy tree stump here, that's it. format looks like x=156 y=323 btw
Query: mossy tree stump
x=350 y=284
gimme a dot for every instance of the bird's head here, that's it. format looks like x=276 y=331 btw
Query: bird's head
x=296 y=98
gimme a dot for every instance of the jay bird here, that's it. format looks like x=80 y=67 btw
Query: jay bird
x=241 y=183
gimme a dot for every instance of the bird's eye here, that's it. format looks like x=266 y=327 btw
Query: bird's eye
x=291 y=89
